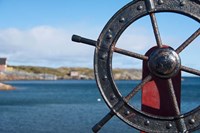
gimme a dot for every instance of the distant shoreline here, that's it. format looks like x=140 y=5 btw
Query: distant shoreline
x=183 y=78
x=6 y=87
x=63 y=73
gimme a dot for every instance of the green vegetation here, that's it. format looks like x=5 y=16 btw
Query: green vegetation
x=60 y=72
x=69 y=73
x=39 y=70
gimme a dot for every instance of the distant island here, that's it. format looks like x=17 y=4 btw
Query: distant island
x=63 y=73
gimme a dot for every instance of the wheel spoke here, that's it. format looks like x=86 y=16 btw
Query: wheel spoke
x=190 y=70
x=173 y=96
x=131 y=54
x=180 y=123
x=102 y=122
x=137 y=88
x=80 y=39
x=188 y=41
x=155 y=29
x=106 y=118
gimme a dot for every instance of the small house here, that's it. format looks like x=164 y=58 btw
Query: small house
x=3 y=64
x=74 y=74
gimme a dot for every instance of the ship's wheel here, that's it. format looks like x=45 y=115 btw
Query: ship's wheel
x=163 y=62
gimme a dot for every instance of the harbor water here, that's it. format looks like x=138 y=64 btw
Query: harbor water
x=71 y=106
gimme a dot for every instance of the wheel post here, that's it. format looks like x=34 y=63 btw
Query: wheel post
x=156 y=98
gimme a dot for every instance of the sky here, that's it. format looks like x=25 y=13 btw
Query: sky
x=38 y=32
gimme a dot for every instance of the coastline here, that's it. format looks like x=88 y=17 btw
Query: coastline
x=6 y=87
x=63 y=73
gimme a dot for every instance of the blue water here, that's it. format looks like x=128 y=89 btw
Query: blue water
x=70 y=106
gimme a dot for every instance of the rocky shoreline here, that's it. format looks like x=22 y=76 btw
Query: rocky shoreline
x=5 y=87
x=64 y=73
x=44 y=73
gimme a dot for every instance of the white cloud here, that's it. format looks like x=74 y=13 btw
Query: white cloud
x=137 y=39
x=43 y=45
x=46 y=45
x=50 y=46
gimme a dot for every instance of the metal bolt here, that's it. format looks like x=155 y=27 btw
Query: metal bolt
x=103 y=56
x=169 y=125
x=122 y=20
x=110 y=31
x=112 y=97
x=183 y=2
x=192 y=121
x=127 y=112
x=160 y=2
x=146 y=123
x=109 y=36
x=105 y=77
x=139 y=7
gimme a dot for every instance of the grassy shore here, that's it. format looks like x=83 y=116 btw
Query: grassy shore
x=35 y=72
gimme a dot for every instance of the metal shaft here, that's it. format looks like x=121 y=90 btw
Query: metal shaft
x=80 y=39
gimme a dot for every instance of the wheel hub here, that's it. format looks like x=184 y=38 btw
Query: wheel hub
x=164 y=63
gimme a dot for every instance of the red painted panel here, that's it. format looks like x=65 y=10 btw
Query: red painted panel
x=155 y=95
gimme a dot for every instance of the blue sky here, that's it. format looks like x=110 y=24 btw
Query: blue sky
x=59 y=13
x=38 y=32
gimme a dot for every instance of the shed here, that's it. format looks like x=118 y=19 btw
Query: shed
x=3 y=64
